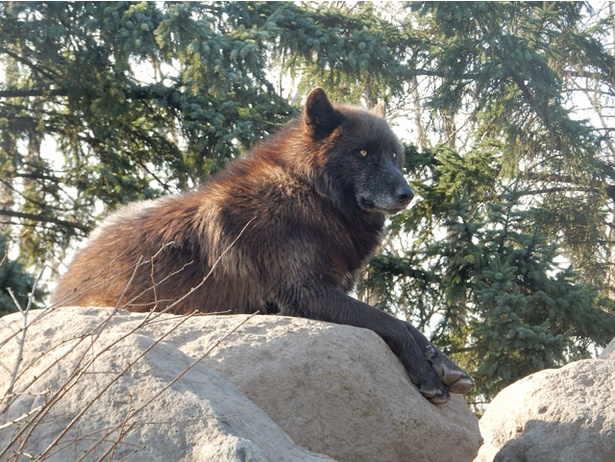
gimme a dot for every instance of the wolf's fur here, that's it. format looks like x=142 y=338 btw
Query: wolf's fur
x=285 y=230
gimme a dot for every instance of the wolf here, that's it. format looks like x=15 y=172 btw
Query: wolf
x=285 y=230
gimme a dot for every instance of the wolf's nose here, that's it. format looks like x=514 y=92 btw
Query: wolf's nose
x=404 y=194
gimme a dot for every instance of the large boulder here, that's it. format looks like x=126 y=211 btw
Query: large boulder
x=335 y=389
x=561 y=415
x=151 y=381
x=88 y=389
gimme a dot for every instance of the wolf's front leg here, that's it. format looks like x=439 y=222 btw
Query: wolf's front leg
x=456 y=379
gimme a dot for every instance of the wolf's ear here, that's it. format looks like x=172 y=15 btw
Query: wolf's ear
x=380 y=110
x=319 y=116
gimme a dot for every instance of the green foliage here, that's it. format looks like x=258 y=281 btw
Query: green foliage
x=140 y=100
x=14 y=279
x=530 y=313
x=512 y=67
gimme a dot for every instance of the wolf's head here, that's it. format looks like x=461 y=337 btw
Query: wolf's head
x=356 y=154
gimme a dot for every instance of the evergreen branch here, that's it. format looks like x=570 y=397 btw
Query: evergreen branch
x=27 y=93
x=48 y=73
x=44 y=219
x=554 y=189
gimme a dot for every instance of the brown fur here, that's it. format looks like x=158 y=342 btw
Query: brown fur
x=285 y=230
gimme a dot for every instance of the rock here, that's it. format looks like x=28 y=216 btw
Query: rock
x=336 y=390
x=560 y=415
x=126 y=396
x=609 y=351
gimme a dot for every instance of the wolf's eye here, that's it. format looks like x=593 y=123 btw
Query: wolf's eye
x=363 y=153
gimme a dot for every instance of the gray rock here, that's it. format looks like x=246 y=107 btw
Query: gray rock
x=609 y=351
x=559 y=415
x=336 y=390
x=124 y=395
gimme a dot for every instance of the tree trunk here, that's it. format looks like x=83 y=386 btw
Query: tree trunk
x=8 y=145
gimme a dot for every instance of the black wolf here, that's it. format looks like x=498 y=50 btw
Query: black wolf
x=284 y=231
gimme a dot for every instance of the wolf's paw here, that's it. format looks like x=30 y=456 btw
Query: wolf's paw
x=456 y=379
x=435 y=394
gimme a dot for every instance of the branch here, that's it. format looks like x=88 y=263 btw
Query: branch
x=18 y=93
x=145 y=93
x=48 y=73
x=44 y=219
x=554 y=189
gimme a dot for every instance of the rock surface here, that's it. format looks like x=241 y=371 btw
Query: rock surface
x=557 y=415
x=133 y=408
x=609 y=351
x=336 y=390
